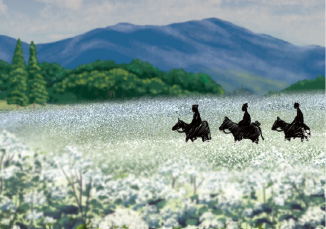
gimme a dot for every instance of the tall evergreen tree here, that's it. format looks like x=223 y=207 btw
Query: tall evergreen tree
x=17 y=79
x=36 y=83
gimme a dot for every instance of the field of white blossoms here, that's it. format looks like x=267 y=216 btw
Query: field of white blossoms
x=120 y=165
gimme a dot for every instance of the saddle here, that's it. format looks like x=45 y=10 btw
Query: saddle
x=246 y=131
x=297 y=130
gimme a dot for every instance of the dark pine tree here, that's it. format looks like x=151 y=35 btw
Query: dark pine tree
x=36 y=84
x=17 y=79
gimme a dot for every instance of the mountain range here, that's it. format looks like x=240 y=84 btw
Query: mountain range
x=233 y=56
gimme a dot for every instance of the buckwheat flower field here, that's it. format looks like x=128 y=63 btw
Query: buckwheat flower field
x=120 y=165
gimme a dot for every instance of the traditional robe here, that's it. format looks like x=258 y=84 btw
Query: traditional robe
x=196 y=120
x=246 y=121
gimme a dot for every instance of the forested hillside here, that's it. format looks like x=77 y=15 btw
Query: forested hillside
x=314 y=84
x=99 y=80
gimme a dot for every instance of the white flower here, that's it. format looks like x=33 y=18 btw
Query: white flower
x=123 y=217
x=313 y=216
x=288 y=224
x=279 y=200
x=209 y=220
x=35 y=198
x=9 y=172
x=231 y=224
x=6 y=204
x=170 y=223
x=247 y=212
x=49 y=220
x=58 y=193
x=34 y=215
x=5 y=221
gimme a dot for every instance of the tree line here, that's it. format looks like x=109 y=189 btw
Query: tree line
x=21 y=84
x=313 y=84
x=38 y=83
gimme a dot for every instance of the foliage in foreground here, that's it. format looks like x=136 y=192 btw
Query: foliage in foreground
x=39 y=190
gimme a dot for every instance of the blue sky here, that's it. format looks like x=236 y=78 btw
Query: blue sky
x=301 y=22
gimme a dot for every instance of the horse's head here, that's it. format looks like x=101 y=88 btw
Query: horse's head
x=178 y=125
x=224 y=124
x=277 y=123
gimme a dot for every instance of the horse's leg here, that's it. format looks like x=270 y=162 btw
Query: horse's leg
x=207 y=137
x=187 y=138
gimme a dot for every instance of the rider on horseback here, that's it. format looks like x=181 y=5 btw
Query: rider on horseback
x=196 y=120
x=298 y=121
x=246 y=121
x=197 y=127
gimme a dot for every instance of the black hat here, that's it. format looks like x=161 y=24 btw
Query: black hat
x=296 y=105
x=195 y=106
x=245 y=105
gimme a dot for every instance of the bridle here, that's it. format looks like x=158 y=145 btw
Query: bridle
x=182 y=127
x=276 y=129
x=226 y=132
x=225 y=129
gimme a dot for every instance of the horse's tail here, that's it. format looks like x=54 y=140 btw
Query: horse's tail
x=257 y=124
x=261 y=133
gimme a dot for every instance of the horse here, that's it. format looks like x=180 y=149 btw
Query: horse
x=291 y=130
x=251 y=132
x=193 y=132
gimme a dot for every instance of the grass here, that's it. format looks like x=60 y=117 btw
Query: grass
x=139 y=132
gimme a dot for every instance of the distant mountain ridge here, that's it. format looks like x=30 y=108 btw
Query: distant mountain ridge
x=232 y=55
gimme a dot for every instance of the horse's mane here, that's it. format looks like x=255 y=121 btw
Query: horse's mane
x=183 y=122
x=283 y=122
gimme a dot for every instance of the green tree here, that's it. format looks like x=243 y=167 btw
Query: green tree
x=313 y=84
x=36 y=83
x=4 y=78
x=17 y=79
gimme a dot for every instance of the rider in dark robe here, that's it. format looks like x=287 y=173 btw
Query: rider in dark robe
x=298 y=121
x=196 y=120
x=246 y=121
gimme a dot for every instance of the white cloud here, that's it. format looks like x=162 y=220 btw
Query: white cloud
x=69 y=4
x=3 y=8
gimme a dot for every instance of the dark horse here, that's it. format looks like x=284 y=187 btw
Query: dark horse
x=290 y=130
x=251 y=132
x=193 y=132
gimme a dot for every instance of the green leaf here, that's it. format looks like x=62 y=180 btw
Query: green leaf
x=217 y=212
x=95 y=203
x=69 y=209
x=24 y=207
x=202 y=210
x=161 y=204
x=191 y=221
